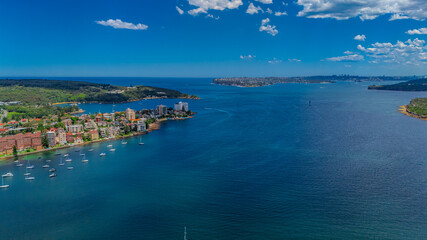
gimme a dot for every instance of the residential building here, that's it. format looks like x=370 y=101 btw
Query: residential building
x=162 y=109
x=51 y=138
x=75 y=128
x=130 y=114
x=181 y=106
x=62 y=136
x=94 y=135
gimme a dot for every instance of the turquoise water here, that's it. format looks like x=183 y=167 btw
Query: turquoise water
x=255 y=163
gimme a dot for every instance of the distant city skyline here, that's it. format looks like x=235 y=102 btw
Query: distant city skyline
x=212 y=38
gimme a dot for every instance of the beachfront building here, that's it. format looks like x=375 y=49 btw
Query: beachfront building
x=181 y=106
x=130 y=114
x=94 y=135
x=62 y=136
x=75 y=128
x=51 y=138
x=162 y=110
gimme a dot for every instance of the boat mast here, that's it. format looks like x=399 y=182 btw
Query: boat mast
x=185 y=233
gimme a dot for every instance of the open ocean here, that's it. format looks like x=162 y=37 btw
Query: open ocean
x=254 y=163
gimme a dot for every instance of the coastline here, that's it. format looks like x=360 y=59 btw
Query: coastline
x=404 y=109
x=152 y=127
x=136 y=100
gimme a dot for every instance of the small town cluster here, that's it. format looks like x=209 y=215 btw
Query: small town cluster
x=31 y=135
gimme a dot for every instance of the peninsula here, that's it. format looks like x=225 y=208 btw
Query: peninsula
x=266 y=81
x=416 y=108
x=412 y=85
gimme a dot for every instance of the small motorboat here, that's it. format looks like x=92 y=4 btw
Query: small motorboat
x=16 y=161
x=109 y=146
x=45 y=166
x=61 y=164
x=48 y=160
x=68 y=160
x=19 y=165
x=85 y=160
x=2 y=184
x=141 y=143
x=90 y=150
x=9 y=174
x=52 y=170
x=102 y=154
x=66 y=155
x=112 y=150
x=70 y=168
x=52 y=175
x=30 y=167
x=30 y=178
x=27 y=174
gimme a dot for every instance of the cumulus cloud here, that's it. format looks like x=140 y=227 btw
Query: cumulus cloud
x=196 y=11
x=364 y=9
x=270 y=29
x=252 y=9
x=274 y=61
x=360 y=37
x=409 y=52
x=180 y=11
x=119 y=24
x=293 y=60
x=278 y=14
x=417 y=31
x=216 y=4
x=247 y=57
x=348 y=57
x=265 y=1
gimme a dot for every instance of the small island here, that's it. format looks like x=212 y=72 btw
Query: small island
x=416 y=108
x=266 y=81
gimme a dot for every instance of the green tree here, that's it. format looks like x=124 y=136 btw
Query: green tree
x=45 y=142
x=15 y=151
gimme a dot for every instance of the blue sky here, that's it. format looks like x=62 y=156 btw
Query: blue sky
x=212 y=38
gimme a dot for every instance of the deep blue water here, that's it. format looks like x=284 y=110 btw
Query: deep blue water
x=255 y=163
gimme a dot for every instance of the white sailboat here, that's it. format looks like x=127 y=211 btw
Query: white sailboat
x=112 y=150
x=2 y=183
x=102 y=154
x=29 y=166
x=30 y=178
x=9 y=174
x=140 y=141
x=84 y=158
x=124 y=142
x=110 y=146
x=61 y=163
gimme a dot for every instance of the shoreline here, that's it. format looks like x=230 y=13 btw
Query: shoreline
x=146 y=98
x=152 y=127
x=404 y=109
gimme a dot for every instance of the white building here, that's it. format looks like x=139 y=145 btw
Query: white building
x=75 y=128
x=51 y=138
x=181 y=106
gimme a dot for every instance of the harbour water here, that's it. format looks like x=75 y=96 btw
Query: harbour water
x=254 y=163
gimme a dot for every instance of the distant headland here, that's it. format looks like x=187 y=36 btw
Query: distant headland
x=266 y=81
x=412 y=85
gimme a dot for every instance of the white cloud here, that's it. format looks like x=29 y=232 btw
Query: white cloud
x=417 y=31
x=364 y=9
x=360 y=37
x=293 y=60
x=180 y=11
x=252 y=9
x=119 y=24
x=269 y=11
x=270 y=29
x=278 y=14
x=409 y=52
x=212 y=16
x=216 y=4
x=247 y=57
x=265 y=1
x=196 y=11
x=274 y=61
x=348 y=57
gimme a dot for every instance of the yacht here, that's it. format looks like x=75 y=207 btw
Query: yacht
x=2 y=184
x=69 y=160
x=140 y=141
x=110 y=146
x=70 y=168
x=27 y=174
x=102 y=154
x=45 y=166
x=90 y=150
x=52 y=175
x=61 y=163
x=19 y=165
x=124 y=142
x=112 y=150
x=66 y=155
x=84 y=158
x=9 y=174
x=30 y=178
x=48 y=160
x=52 y=170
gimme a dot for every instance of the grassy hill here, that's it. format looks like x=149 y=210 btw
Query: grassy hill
x=40 y=91
x=418 y=106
